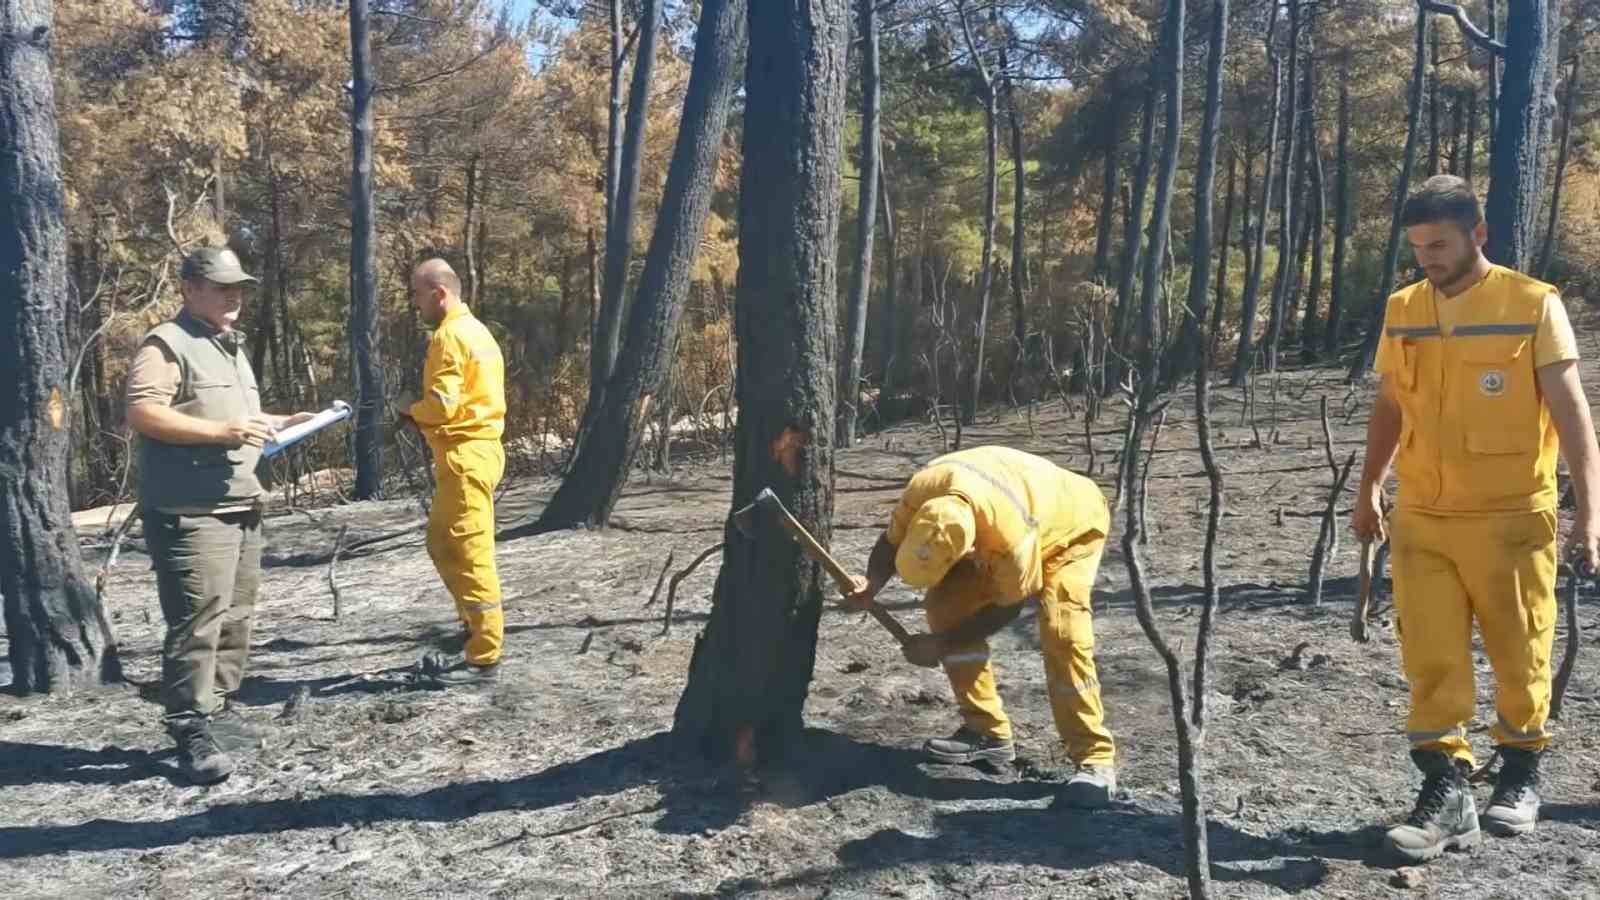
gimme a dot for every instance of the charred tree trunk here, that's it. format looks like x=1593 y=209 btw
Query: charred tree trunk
x=1132 y=238
x=57 y=634
x=1553 y=229
x=1257 y=255
x=619 y=59
x=1169 y=64
x=1195 y=334
x=752 y=666
x=619 y=230
x=1494 y=77
x=991 y=209
x=1472 y=133
x=1310 y=331
x=1391 y=253
x=469 y=233
x=1456 y=124
x=364 y=353
x=600 y=467
x=1019 y=259
x=891 y=284
x=1111 y=179
x=1217 y=306
x=1433 y=105
x=1516 y=165
x=1341 y=216
x=849 y=399
x=265 y=339
x=1289 y=186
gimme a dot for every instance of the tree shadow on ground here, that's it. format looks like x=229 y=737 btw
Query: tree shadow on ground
x=693 y=798
x=25 y=764
x=1055 y=838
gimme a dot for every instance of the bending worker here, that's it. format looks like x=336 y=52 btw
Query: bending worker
x=462 y=414
x=983 y=530
x=1479 y=393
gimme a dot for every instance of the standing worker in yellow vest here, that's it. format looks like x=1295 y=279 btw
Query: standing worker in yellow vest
x=1479 y=393
x=462 y=414
x=983 y=530
x=192 y=399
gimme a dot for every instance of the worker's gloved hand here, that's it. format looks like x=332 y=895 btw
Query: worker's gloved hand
x=864 y=595
x=923 y=650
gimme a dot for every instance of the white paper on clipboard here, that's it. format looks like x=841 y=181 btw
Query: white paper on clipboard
x=288 y=437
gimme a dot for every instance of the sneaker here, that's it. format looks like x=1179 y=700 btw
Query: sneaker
x=200 y=758
x=968 y=746
x=1444 y=818
x=1514 y=808
x=234 y=732
x=1090 y=788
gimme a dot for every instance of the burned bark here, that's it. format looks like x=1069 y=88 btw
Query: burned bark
x=866 y=220
x=364 y=347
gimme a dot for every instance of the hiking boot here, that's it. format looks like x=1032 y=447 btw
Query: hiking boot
x=200 y=758
x=968 y=746
x=1090 y=788
x=1514 y=808
x=448 y=672
x=234 y=732
x=1444 y=818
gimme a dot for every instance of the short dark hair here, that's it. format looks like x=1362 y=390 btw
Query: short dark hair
x=1443 y=198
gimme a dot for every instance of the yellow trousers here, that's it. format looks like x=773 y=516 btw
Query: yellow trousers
x=1501 y=571
x=1066 y=638
x=461 y=540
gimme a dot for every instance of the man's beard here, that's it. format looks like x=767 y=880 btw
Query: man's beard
x=1455 y=274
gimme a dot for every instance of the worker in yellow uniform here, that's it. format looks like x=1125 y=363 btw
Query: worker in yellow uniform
x=1479 y=394
x=982 y=531
x=462 y=413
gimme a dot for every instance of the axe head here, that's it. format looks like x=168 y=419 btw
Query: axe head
x=745 y=519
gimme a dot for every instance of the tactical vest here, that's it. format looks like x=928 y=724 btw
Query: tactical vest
x=216 y=384
x=1476 y=435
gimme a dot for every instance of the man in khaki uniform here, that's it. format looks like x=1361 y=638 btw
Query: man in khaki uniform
x=984 y=530
x=194 y=403
x=1480 y=395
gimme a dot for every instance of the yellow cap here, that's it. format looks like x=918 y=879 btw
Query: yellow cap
x=940 y=534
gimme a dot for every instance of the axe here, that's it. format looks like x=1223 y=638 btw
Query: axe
x=1358 y=624
x=745 y=520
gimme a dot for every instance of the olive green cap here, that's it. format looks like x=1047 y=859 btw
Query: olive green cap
x=215 y=264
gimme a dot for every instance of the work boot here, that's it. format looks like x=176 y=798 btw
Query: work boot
x=1444 y=818
x=200 y=758
x=1090 y=788
x=451 y=672
x=1514 y=808
x=968 y=746
x=234 y=732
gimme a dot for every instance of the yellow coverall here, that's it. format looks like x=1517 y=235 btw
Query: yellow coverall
x=462 y=414
x=1473 y=533
x=1039 y=532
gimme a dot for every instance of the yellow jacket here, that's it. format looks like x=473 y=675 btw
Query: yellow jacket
x=1475 y=436
x=463 y=383
x=1026 y=510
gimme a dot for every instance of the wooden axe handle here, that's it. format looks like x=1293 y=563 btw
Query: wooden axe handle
x=842 y=577
x=1358 y=624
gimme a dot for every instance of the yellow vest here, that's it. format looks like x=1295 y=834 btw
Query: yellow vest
x=1026 y=508
x=1476 y=436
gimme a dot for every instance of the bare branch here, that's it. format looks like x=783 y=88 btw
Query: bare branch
x=407 y=16
x=1469 y=30
x=672 y=586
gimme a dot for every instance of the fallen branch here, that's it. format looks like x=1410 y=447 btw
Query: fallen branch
x=1327 y=439
x=333 y=575
x=1569 y=659
x=1155 y=439
x=1328 y=537
x=672 y=586
x=660 y=580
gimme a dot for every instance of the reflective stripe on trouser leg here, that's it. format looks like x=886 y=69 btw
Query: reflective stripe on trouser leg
x=1509 y=565
x=1066 y=635
x=1433 y=617
x=972 y=680
x=461 y=541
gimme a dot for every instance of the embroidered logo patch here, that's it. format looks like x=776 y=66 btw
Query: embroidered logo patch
x=1492 y=383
